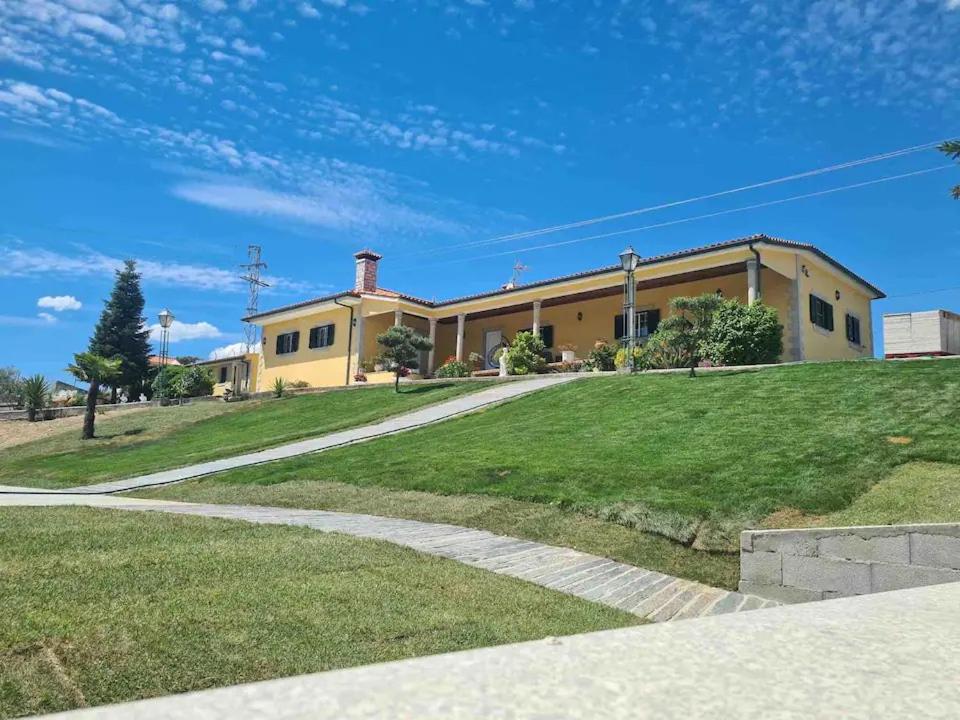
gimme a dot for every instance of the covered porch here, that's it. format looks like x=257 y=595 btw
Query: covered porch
x=576 y=320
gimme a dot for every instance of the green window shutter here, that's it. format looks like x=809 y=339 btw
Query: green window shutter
x=618 y=330
x=653 y=320
x=314 y=338
x=546 y=334
x=813 y=309
x=828 y=311
x=279 y=348
x=330 y=329
x=295 y=342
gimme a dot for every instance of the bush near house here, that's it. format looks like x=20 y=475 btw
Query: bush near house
x=603 y=357
x=183 y=381
x=402 y=347
x=743 y=335
x=525 y=354
x=452 y=369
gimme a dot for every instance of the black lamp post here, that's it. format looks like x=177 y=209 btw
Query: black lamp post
x=166 y=320
x=629 y=260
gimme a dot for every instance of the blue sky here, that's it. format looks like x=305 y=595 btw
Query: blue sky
x=177 y=133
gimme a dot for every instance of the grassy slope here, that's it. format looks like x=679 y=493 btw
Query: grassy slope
x=666 y=452
x=137 y=443
x=535 y=521
x=102 y=606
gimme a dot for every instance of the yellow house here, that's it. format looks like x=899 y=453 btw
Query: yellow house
x=824 y=308
x=238 y=373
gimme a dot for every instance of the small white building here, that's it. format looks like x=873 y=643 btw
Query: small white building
x=915 y=334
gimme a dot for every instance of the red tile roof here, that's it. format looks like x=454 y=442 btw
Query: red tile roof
x=653 y=260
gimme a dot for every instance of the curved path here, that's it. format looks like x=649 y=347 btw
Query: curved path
x=438 y=412
x=645 y=593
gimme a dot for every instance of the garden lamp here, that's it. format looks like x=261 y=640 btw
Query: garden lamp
x=629 y=260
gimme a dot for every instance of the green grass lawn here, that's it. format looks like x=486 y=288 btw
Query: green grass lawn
x=918 y=492
x=137 y=443
x=694 y=459
x=535 y=521
x=100 y=606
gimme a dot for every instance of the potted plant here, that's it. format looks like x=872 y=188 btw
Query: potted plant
x=568 y=352
x=360 y=377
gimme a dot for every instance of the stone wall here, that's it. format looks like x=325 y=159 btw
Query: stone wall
x=823 y=563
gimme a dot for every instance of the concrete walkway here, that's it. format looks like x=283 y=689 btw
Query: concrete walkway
x=874 y=657
x=648 y=594
x=400 y=423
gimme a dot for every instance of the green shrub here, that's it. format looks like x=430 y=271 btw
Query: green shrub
x=299 y=384
x=279 y=387
x=183 y=381
x=662 y=350
x=525 y=354
x=452 y=369
x=620 y=359
x=744 y=335
x=602 y=357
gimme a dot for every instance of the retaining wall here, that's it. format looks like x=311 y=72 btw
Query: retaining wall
x=822 y=563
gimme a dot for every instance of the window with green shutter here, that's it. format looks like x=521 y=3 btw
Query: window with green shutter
x=853 y=329
x=288 y=342
x=821 y=313
x=322 y=336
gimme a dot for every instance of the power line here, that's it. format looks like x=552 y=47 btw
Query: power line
x=694 y=218
x=676 y=203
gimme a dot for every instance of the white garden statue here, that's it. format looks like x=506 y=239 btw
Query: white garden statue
x=503 y=362
x=142 y=398
x=123 y=398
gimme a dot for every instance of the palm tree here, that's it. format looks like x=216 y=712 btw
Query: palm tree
x=36 y=391
x=96 y=370
x=951 y=148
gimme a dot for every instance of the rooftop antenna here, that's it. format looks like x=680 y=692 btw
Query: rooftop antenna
x=252 y=278
x=518 y=268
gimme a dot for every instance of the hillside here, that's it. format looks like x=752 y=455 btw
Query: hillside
x=695 y=460
x=129 y=444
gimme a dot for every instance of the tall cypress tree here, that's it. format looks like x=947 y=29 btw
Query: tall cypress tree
x=121 y=331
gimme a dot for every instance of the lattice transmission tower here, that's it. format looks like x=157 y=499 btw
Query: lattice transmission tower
x=252 y=278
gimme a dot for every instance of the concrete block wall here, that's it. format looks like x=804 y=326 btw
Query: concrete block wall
x=822 y=563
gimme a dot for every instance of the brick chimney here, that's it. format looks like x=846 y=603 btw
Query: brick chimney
x=366 y=279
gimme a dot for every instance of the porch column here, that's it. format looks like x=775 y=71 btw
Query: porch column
x=536 y=317
x=398 y=317
x=753 y=281
x=432 y=355
x=359 y=334
x=461 y=322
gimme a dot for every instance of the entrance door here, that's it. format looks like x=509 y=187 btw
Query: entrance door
x=492 y=339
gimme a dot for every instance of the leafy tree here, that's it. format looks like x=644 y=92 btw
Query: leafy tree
x=183 y=381
x=96 y=370
x=951 y=149
x=525 y=354
x=689 y=326
x=744 y=334
x=10 y=384
x=36 y=395
x=121 y=332
x=188 y=359
x=402 y=346
x=663 y=350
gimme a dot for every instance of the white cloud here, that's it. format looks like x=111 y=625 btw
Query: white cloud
x=21 y=321
x=20 y=261
x=180 y=331
x=59 y=303
x=213 y=6
x=243 y=48
x=231 y=350
x=308 y=10
x=953 y=4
